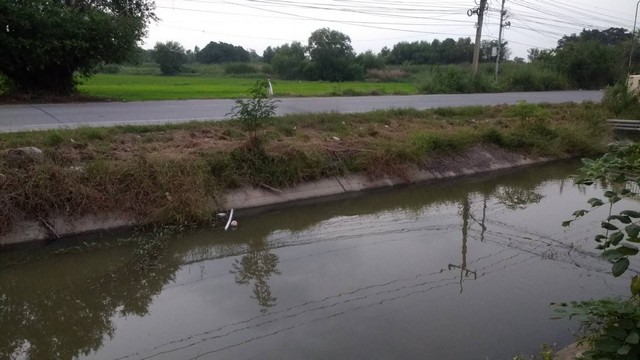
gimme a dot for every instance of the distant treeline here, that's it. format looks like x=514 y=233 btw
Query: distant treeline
x=46 y=45
x=589 y=60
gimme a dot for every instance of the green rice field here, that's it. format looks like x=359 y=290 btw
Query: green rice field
x=157 y=87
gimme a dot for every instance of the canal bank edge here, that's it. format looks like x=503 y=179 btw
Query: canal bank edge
x=476 y=160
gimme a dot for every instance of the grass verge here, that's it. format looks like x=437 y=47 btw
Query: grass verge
x=177 y=173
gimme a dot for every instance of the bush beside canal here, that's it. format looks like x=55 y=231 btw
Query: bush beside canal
x=178 y=173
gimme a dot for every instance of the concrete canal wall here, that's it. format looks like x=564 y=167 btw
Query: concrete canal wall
x=474 y=161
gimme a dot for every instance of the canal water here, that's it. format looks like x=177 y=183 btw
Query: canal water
x=463 y=269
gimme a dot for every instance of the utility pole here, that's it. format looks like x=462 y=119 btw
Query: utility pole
x=476 y=51
x=503 y=13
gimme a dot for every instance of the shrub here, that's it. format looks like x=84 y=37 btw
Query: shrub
x=456 y=80
x=389 y=75
x=611 y=327
x=621 y=102
x=525 y=111
x=534 y=78
x=239 y=68
x=252 y=112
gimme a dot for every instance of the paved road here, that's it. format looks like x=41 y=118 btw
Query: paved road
x=50 y=116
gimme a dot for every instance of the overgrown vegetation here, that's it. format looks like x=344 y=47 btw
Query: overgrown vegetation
x=177 y=173
x=611 y=327
x=622 y=102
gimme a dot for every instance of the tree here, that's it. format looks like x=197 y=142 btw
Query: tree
x=487 y=51
x=369 y=60
x=220 y=52
x=594 y=58
x=289 y=61
x=590 y=64
x=540 y=55
x=332 y=56
x=170 y=56
x=252 y=112
x=44 y=43
x=267 y=54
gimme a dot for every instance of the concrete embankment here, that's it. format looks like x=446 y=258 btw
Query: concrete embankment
x=473 y=161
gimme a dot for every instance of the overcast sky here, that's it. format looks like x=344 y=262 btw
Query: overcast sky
x=256 y=24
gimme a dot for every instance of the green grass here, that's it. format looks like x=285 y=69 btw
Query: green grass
x=156 y=87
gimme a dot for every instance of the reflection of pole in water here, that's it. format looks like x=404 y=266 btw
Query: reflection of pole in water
x=464 y=272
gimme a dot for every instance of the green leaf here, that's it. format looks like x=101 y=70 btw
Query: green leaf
x=594 y=202
x=617 y=332
x=616 y=237
x=566 y=223
x=587 y=161
x=627 y=324
x=624 y=350
x=606 y=345
x=609 y=226
x=614 y=199
x=610 y=194
x=620 y=267
x=635 y=286
x=623 y=219
x=600 y=237
x=630 y=213
x=579 y=213
x=632 y=230
x=633 y=338
x=612 y=255
x=628 y=250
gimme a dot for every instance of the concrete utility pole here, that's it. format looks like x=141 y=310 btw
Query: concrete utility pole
x=503 y=13
x=633 y=41
x=476 y=51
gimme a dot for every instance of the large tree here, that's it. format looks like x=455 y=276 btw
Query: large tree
x=170 y=56
x=332 y=56
x=594 y=58
x=45 y=42
x=221 y=52
x=289 y=60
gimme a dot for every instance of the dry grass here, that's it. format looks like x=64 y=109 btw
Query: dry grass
x=175 y=173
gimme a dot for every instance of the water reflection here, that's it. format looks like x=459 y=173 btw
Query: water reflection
x=358 y=262
x=257 y=266
x=464 y=271
x=56 y=312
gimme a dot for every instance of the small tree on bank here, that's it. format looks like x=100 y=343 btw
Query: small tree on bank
x=44 y=43
x=170 y=56
x=252 y=112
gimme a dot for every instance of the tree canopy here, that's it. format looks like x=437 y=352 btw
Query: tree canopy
x=221 y=52
x=170 y=56
x=45 y=42
x=332 y=56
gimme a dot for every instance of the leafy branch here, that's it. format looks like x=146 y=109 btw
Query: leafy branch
x=619 y=168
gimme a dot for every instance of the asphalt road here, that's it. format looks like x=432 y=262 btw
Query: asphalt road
x=50 y=116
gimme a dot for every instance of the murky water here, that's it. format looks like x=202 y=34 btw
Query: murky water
x=458 y=270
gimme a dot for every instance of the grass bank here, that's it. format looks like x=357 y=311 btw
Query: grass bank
x=176 y=173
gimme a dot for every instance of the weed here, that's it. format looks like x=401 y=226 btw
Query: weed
x=54 y=138
x=621 y=102
x=525 y=111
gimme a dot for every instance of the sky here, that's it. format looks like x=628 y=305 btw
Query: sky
x=373 y=24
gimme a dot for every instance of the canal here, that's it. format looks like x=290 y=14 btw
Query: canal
x=462 y=269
